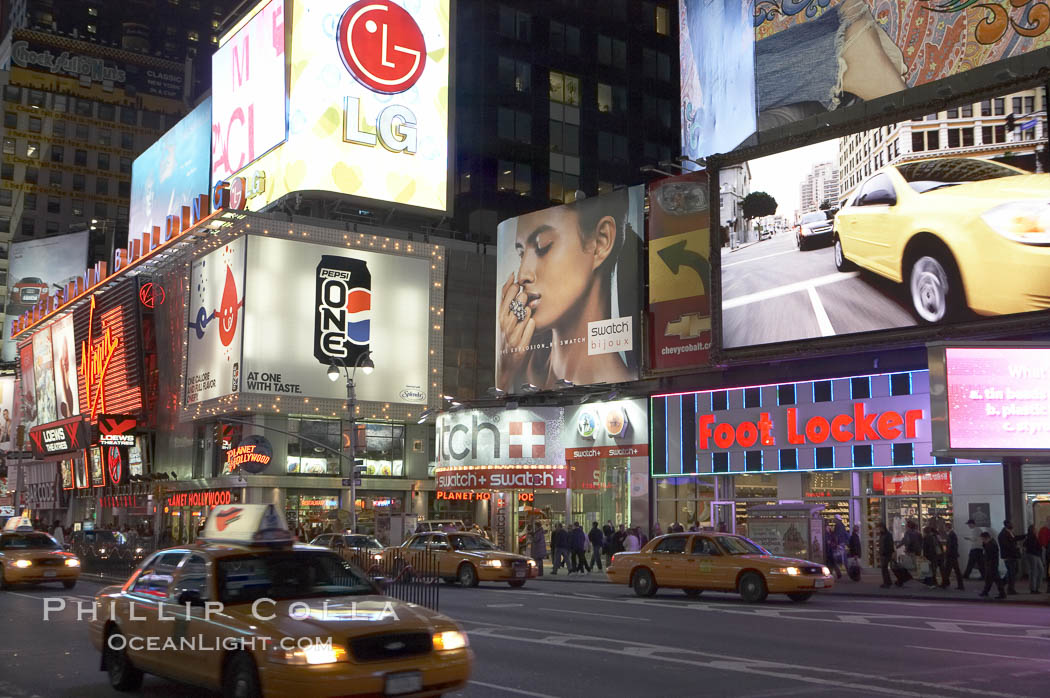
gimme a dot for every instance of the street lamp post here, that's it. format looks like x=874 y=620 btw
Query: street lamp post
x=364 y=362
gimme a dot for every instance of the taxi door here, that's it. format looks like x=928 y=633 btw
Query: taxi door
x=705 y=562
x=141 y=618
x=413 y=553
x=669 y=561
x=200 y=662
x=441 y=555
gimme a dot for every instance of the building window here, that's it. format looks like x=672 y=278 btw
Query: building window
x=51 y=228
x=954 y=139
x=1000 y=106
x=32 y=175
x=12 y=94
x=720 y=462
x=752 y=397
x=124 y=189
x=612 y=147
x=81 y=132
x=105 y=136
x=5 y=200
x=564 y=38
x=127 y=141
x=788 y=459
x=663 y=21
x=80 y=157
x=193 y=36
x=612 y=98
x=824 y=457
x=107 y=112
x=128 y=116
x=514 y=125
x=515 y=177
x=55 y=178
x=564 y=89
x=125 y=165
x=514 y=24
x=860 y=388
x=28 y=227
x=103 y=161
x=36 y=99
x=903 y=454
x=7 y=171
x=786 y=394
x=102 y=185
x=384 y=449
x=30 y=202
x=58 y=154
x=9 y=146
x=76 y=207
x=953 y=113
x=54 y=205
x=10 y=119
x=753 y=461
x=565 y=139
x=92 y=29
x=562 y=187
x=900 y=384
x=101 y=210
x=308 y=457
x=58 y=128
x=78 y=182
x=862 y=457
x=35 y=124
x=516 y=75
x=967 y=137
x=33 y=149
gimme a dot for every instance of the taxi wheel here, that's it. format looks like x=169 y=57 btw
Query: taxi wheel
x=693 y=593
x=123 y=676
x=800 y=596
x=241 y=680
x=3 y=584
x=517 y=583
x=69 y=583
x=467 y=575
x=643 y=583
x=753 y=587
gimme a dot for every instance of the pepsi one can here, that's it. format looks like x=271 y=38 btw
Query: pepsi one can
x=342 y=317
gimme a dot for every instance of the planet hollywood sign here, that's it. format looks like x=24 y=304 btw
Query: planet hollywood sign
x=203 y=498
x=502 y=478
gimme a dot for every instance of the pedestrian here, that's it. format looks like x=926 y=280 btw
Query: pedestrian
x=1010 y=554
x=991 y=566
x=912 y=544
x=1033 y=559
x=1044 y=540
x=59 y=535
x=975 y=559
x=597 y=543
x=951 y=558
x=579 y=550
x=631 y=542
x=831 y=550
x=560 y=544
x=933 y=551
x=886 y=549
x=657 y=531
x=854 y=550
x=539 y=547
x=676 y=527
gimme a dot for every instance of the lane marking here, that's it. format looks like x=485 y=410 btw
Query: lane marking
x=503 y=605
x=981 y=654
x=518 y=691
x=600 y=615
x=823 y=321
x=787 y=289
x=755 y=259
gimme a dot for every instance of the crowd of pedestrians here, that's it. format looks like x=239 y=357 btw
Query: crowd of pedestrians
x=581 y=551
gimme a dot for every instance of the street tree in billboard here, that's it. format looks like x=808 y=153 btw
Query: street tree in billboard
x=919 y=241
x=172 y=171
x=38 y=269
x=679 y=272
x=216 y=323
x=368 y=104
x=248 y=91
x=569 y=295
x=810 y=57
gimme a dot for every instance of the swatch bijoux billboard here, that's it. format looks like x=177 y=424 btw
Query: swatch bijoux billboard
x=568 y=294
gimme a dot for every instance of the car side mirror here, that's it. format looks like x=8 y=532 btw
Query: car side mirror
x=879 y=196
x=191 y=597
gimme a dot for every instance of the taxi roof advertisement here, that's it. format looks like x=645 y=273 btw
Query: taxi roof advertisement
x=367 y=103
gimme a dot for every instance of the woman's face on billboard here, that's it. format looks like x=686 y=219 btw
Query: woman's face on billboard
x=556 y=263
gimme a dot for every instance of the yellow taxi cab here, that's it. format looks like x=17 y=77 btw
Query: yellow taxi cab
x=33 y=557
x=249 y=612
x=696 y=562
x=467 y=558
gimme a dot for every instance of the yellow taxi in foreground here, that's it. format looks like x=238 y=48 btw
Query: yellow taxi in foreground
x=467 y=558
x=32 y=557
x=250 y=613
x=695 y=562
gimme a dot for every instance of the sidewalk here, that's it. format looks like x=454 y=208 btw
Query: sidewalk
x=868 y=586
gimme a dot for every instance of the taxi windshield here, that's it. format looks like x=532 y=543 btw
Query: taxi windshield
x=470 y=543
x=100 y=537
x=741 y=546
x=285 y=575
x=27 y=541
x=362 y=542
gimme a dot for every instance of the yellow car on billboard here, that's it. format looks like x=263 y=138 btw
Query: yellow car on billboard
x=958 y=232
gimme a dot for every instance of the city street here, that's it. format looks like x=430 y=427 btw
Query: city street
x=772 y=292
x=559 y=639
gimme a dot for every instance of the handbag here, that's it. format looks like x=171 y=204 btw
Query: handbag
x=907 y=561
x=925 y=569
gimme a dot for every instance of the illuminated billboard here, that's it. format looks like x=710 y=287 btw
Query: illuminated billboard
x=248 y=91
x=568 y=298
x=172 y=171
x=766 y=64
x=991 y=398
x=910 y=238
x=368 y=105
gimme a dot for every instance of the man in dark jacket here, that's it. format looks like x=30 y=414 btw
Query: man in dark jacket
x=579 y=550
x=933 y=551
x=1011 y=555
x=951 y=559
x=991 y=566
x=597 y=542
x=886 y=549
x=559 y=548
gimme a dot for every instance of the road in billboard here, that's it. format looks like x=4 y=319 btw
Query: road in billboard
x=568 y=299
x=814 y=56
x=216 y=323
x=998 y=398
x=248 y=92
x=172 y=171
x=368 y=105
x=310 y=306
x=679 y=272
x=918 y=241
x=38 y=268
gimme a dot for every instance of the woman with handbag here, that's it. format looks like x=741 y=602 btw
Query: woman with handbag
x=933 y=554
x=909 y=559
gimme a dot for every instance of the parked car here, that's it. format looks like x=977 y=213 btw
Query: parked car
x=440 y=525
x=959 y=232
x=813 y=228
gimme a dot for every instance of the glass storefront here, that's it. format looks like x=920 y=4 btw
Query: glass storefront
x=604 y=494
x=309 y=509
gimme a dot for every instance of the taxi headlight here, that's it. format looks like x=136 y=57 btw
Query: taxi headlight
x=23 y=563
x=313 y=654
x=791 y=571
x=72 y=562
x=492 y=563
x=138 y=550
x=377 y=556
x=450 y=640
x=825 y=571
x=532 y=563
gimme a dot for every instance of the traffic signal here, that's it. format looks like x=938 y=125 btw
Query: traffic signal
x=1011 y=123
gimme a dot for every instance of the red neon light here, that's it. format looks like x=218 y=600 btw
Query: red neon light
x=96 y=355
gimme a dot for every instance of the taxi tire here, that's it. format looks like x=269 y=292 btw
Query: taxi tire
x=240 y=678
x=644 y=583
x=467 y=575
x=516 y=583
x=752 y=587
x=123 y=676
x=3 y=583
x=693 y=593
x=800 y=596
x=69 y=583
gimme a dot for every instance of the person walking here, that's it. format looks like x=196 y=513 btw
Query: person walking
x=1033 y=559
x=597 y=543
x=657 y=531
x=631 y=542
x=1044 y=540
x=991 y=566
x=831 y=551
x=579 y=550
x=854 y=550
x=933 y=551
x=1010 y=554
x=539 y=547
x=560 y=543
x=59 y=535
x=951 y=558
x=886 y=549
x=975 y=560
x=912 y=544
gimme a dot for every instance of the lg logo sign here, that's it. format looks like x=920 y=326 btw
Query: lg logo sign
x=382 y=47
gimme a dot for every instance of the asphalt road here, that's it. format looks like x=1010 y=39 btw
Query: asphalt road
x=555 y=639
x=772 y=292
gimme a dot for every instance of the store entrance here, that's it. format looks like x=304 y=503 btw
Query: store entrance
x=723 y=516
x=895 y=512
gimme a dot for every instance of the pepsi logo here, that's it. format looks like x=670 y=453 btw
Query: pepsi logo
x=381 y=46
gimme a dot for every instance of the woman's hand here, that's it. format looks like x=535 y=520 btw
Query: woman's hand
x=516 y=329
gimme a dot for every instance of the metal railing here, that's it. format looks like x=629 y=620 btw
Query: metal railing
x=117 y=561
x=412 y=579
